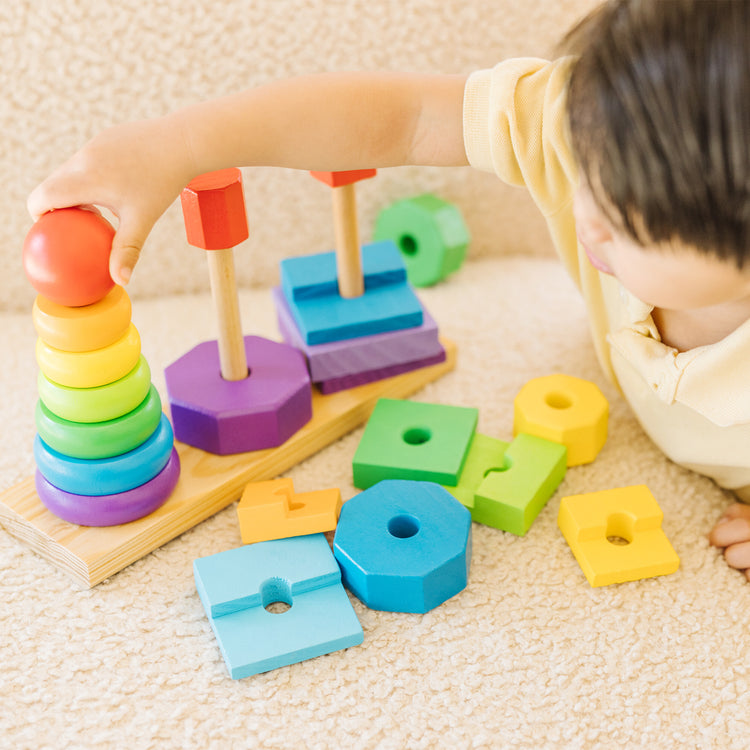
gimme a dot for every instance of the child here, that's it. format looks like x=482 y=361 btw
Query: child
x=634 y=145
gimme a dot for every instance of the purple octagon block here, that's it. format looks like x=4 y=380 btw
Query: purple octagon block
x=357 y=360
x=222 y=416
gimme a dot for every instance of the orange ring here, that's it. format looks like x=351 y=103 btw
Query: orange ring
x=83 y=329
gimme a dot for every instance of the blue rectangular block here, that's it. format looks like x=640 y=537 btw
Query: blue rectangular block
x=322 y=315
x=236 y=586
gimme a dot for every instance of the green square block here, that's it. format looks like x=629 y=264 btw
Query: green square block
x=414 y=440
x=506 y=485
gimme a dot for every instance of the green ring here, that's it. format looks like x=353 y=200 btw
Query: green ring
x=98 y=404
x=92 y=440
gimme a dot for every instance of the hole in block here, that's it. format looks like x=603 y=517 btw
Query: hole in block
x=247 y=376
x=417 y=435
x=403 y=526
x=276 y=595
x=408 y=245
x=558 y=401
x=620 y=529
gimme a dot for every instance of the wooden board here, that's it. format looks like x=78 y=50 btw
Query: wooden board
x=207 y=484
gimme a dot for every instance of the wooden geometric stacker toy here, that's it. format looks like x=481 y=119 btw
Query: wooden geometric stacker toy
x=352 y=311
x=207 y=482
x=117 y=463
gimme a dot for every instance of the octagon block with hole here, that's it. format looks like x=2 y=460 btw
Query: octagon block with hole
x=566 y=410
x=429 y=232
x=414 y=440
x=616 y=535
x=237 y=588
x=234 y=416
x=506 y=486
x=404 y=546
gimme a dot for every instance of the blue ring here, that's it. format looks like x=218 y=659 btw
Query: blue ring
x=106 y=476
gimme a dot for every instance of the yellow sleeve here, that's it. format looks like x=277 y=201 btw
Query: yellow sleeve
x=515 y=126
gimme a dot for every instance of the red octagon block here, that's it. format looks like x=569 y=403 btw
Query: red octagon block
x=213 y=206
x=66 y=256
x=234 y=416
x=349 y=177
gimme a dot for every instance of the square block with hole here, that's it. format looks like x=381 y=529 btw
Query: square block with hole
x=507 y=485
x=414 y=440
x=241 y=588
x=616 y=535
x=310 y=285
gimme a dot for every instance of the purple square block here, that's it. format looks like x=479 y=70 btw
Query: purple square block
x=368 y=376
x=222 y=416
x=359 y=356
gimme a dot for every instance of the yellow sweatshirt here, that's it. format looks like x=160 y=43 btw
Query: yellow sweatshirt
x=695 y=405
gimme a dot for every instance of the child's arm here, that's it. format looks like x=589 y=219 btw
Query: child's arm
x=327 y=122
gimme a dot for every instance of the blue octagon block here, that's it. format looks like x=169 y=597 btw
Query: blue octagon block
x=404 y=546
x=236 y=586
x=322 y=315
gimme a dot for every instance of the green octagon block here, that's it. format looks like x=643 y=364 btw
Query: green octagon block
x=506 y=486
x=429 y=232
x=414 y=440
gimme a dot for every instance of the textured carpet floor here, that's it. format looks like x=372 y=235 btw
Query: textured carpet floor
x=528 y=656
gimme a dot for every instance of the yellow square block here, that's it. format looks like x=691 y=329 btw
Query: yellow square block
x=273 y=510
x=616 y=535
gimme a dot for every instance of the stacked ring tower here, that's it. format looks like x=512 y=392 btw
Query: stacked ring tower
x=104 y=450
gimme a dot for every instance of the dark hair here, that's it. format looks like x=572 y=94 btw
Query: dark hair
x=659 y=117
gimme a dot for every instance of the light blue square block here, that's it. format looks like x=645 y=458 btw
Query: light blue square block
x=322 y=315
x=235 y=587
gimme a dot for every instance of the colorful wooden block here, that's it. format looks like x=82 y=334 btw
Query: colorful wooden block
x=273 y=510
x=354 y=380
x=414 y=440
x=616 y=535
x=93 y=368
x=91 y=440
x=310 y=285
x=97 y=404
x=83 y=329
x=106 y=476
x=114 y=509
x=430 y=233
x=564 y=409
x=222 y=416
x=237 y=586
x=337 y=359
x=213 y=206
x=510 y=495
x=66 y=256
x=404 y=546
x=347 y=177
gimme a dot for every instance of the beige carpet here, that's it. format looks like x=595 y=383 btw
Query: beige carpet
x=528 y=656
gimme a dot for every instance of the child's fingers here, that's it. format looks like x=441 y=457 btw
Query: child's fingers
x=126 y=249
x=737 y=510
x=730 y=531
x=738 y=555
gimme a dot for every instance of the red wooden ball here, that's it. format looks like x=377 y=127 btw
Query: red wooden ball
x=66 y=256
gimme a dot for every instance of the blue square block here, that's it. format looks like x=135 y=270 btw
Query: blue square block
x=322 y=315
x=236 y=586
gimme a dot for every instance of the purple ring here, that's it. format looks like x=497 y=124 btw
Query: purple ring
x=110 y=510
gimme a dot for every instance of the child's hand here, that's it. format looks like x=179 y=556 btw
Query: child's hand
x=135 y=170
x=732 y=532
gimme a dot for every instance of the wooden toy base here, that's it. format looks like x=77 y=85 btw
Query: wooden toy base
x=208 y=484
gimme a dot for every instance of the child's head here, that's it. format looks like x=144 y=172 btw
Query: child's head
x=659 y=115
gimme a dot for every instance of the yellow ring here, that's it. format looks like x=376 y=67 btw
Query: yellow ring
x=83 y=329
x=90 y=369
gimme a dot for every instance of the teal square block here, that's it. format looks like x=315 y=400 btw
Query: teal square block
x=414 y=440
x=506 y=485
x=237 y=585
x=322 y=315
